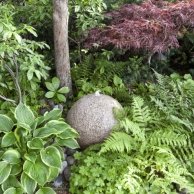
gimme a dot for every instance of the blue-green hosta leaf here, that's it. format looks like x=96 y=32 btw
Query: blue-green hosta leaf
x=45 y=132
x=51 y=157
x=6 y=124
x=8 y=139
x=63 y=90
x=56 y=83
x=50 y=86
x=29 y=185
x=13 y=190
x=38 y=171
x=61 y=97
x=45 y=190
x=36 y=143
x=23 y=114
x=12 y=181
x=70 y=143
x=5 y=170
x=12 y=156
x=49 y=94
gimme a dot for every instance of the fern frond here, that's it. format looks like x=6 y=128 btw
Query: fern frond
x=133 y=129
x=141 y=113
x=167 y=137
x=118 y=141
x=132 y=180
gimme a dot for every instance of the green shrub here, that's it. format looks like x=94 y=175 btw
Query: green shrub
x=31 y=154
x=20 y=60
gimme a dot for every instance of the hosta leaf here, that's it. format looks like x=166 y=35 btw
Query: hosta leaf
x=11 y=156
x=54 y=172
x=36 y=143
x=8 y=139
x=63 y=90
x=23 y=114
x=50 y=86
x=54 y=114
x=61 y=97
x=45 y=132
x=51 y=156
x=68 y=133
x=16 y=169
x=11 y=182
x=56 y=83
x=5 y=170
x=6 y=124
x=45 y=190
x=38 y=171
x=28 y=184
x=32 y=156
x=13 y=190
x=70 y=143
x=60 y=126
x=49 y=94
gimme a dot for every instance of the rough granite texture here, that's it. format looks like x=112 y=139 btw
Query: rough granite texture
x=92 y=116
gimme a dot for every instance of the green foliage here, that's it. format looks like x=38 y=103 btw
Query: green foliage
x=20 y=62
x=152 y=141
x=55 y=92
x=31 y=154
x=97 y=174
x=116 y=173
x=87 y=13
x=102 y=75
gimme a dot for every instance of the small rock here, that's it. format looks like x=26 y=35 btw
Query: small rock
x=184 y=191
x=70 y=151
x=63 y=166
x=70 y=160
x=65 y=156
x=67 y=173
x=58 y=182
x=51 y=103
x=43 y=110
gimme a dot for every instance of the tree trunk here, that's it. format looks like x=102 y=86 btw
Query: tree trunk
x=60 y=22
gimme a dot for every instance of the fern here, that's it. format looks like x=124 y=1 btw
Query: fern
x=141 y=113
x=118 y=142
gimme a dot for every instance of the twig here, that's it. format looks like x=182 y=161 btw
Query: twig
x=15 y=79
x=7 y=99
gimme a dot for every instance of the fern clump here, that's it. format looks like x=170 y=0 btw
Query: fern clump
x=152 y=142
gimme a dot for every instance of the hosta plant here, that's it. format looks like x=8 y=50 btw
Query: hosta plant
x=31 y=154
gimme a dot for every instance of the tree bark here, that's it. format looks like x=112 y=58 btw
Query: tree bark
x=60 y=25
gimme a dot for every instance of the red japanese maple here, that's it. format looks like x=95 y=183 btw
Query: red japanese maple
x=153 y=26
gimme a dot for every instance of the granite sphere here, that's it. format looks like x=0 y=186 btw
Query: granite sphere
x=93 y=118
